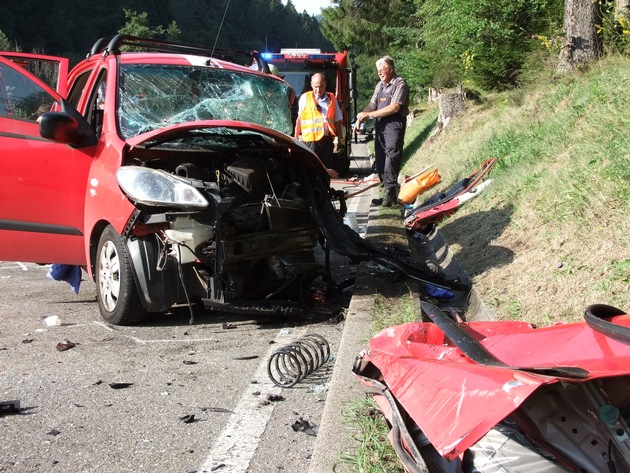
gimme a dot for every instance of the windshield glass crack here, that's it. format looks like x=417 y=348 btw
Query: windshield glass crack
x=154 y=96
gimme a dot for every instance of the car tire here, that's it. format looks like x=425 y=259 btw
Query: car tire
x=118 y=298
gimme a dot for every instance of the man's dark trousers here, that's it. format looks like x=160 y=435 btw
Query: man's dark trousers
x=388 y=147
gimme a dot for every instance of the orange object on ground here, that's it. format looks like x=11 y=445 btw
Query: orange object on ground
x=416 y=186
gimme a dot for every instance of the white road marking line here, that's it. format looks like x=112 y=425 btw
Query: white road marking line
x=14 y=265
x=238 y=442
x=170 y=340
x=143 y=341
x=104 y=325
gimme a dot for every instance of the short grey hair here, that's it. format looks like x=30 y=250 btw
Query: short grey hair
x=386 y=61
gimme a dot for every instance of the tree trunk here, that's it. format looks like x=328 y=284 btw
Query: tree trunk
x=583 y=44
x=451 y=105
x=622 y=7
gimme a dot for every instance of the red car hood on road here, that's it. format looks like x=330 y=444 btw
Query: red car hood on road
x=456 y=401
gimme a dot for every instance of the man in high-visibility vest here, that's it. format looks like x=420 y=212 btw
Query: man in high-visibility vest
x=319 y=122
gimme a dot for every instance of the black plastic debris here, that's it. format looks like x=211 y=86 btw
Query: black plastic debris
x=189 y=362
x=302 y=425
x=274 y=397
x=337 y=318
x=228 y=325
x=188 y=418
x=65 y=345
x=53 y=432
x=9 y=407
x=120 y=385
x=247 y=357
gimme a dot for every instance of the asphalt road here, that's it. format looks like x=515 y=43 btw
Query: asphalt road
x=165 y=396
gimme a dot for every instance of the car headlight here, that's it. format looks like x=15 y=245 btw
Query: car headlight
x=155 y=187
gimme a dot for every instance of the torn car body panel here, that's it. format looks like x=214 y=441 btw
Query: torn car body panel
x=455 y=401
x=444 y=204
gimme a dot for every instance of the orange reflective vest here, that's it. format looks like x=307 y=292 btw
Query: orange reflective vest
x=313 y=121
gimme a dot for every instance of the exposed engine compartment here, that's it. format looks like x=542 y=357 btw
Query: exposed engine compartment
x=255 y=242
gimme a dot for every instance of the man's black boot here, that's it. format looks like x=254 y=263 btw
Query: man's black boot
x=389 y=197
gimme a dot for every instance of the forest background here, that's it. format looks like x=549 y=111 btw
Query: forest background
x=484 y=45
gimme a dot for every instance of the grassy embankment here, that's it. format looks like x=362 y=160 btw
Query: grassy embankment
x=551 y=234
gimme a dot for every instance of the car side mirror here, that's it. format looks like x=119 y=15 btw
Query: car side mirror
x=59 y=127
x=67 y=126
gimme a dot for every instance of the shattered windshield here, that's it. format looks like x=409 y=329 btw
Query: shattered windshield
x=154 y=96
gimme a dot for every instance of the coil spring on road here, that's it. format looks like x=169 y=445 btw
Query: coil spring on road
x=290 y=364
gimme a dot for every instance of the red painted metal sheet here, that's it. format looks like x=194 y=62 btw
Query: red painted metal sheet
x=456 y=401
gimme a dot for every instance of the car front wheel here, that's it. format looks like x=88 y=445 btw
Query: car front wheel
x=118 y=298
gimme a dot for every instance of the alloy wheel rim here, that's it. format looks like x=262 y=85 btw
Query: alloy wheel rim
x=109 y=276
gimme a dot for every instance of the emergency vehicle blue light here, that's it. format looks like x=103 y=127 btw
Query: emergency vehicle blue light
x=321 y=56
x=272 y=56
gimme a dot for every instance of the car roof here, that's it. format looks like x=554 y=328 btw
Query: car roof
x=148 y=50
x=184 y=60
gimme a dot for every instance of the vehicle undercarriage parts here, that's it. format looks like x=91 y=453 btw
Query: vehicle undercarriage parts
x=344 y=241
x=155 y=276
x=183 y=241
x=291 y=363
x=504 y=396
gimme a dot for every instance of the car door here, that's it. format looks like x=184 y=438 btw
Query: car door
x=42 y=183
x=52 y=70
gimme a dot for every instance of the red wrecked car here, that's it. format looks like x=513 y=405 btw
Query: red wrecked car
x=505 y=396
x=168 y=174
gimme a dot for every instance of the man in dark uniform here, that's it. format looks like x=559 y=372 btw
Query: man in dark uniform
x=389 y=105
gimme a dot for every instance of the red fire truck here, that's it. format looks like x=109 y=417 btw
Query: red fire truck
x=296 y=66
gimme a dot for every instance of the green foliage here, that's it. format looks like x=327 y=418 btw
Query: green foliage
x=370 y=29
x=389 y=311
x=439 y=43
x=5 y=43
x=487 y=40
x=70 y=27
x=138 y=25
x=563 y=166
x=615 y=30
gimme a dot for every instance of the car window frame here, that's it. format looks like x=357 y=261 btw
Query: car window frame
x=63 y=65
x=57 y=99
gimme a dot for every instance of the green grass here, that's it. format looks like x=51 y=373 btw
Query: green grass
x=374 y=453
x=390 y=311
x=563 y=170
